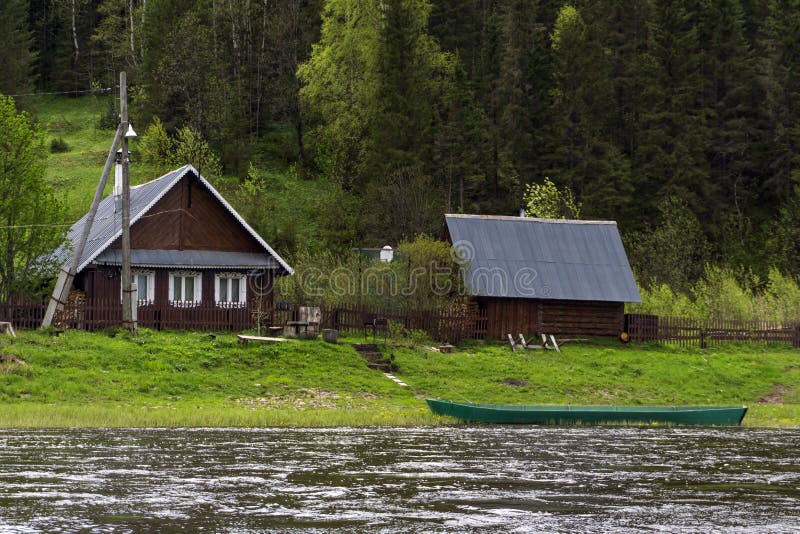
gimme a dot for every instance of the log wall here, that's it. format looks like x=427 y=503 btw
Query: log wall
x=559 y=317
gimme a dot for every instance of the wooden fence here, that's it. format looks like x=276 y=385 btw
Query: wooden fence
x=23 y=313
x=441 y=324
x=704 y=333
x=98 y=314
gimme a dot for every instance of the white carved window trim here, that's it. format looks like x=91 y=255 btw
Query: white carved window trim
x=151 y=284
x=197 y=292
x=228 y=298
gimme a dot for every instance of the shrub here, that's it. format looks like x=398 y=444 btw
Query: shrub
x=719 y=295
x=109 y=119
x=421 y=276
x=191 y=147
x=57 y=144
x=722 y=293
x=660 y=299
x=782 y=297
x=155 y=145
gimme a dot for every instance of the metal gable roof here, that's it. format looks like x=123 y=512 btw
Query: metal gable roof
x=521 y=257
x=107 y=225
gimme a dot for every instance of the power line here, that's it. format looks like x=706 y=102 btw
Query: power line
x=75 y=92
x=33 y=226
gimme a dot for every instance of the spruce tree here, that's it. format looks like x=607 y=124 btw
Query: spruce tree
x=780 y=190
x=732 y=97
x=780 y=72
x=521 y=97
x=584 y=157
x=672 y=139
x=16 y=55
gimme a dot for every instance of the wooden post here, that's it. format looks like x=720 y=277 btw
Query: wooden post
x=128 y=293
x=796 y=340
x=67 y=274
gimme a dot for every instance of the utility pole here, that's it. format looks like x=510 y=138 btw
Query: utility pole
x=129 y=297
x=68 y=270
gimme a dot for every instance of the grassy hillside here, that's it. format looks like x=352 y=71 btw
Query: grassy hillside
x=75 y=172
x=177 y=379
x=286 y=211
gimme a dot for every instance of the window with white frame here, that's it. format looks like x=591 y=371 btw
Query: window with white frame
x=185 y=287
x=230 y=289
x=145 y=286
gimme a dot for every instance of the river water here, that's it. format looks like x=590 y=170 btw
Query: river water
x=443 y=479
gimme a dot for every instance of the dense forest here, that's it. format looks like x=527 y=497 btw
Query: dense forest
x=678 y=119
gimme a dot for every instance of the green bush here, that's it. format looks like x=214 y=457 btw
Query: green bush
x=191 y=147
x=782 y=297
x=155 y=145
x=660 y=299
x=57 y=145
x=719 y=294
x=422 y=275
x=722 y=293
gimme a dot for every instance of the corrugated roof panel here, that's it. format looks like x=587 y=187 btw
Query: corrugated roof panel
x=565 y=260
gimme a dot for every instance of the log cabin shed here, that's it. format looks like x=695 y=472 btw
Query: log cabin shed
x=189 y=249
x=548 y=276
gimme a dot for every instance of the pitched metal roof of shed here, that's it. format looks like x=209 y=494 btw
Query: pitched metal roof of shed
x=107 y=225
x=520 y=257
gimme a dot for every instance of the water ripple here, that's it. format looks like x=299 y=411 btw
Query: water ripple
x=452 y=479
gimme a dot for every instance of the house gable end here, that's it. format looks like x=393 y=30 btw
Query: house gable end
x=167 y=223
x=189 y=217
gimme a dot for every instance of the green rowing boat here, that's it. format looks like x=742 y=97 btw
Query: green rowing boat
x=543 y=415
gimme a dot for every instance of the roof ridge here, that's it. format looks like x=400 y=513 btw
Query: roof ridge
x=525 y=219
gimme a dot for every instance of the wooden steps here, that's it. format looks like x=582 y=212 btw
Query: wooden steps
x=375 y=359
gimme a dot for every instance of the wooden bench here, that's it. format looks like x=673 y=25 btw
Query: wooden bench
x=246 y=339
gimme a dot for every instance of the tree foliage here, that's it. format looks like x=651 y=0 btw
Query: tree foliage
x=673 y=252
x=547 y=201
x=16 y=54
x=30 y=215
x=624 y=102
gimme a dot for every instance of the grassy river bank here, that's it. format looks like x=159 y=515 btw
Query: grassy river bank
x=176 y=379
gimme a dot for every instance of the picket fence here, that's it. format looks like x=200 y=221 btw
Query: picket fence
x=686 y=331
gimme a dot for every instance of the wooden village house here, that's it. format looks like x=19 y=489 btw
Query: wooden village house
x=544 y=275
x=195 y=260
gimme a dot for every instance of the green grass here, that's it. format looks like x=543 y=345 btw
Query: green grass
x=608 y=373
x=293 y=202
x=192 y=379
x=76 y=172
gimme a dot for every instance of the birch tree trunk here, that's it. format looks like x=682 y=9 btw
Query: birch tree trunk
x=130 y=16
x=141 y=28
x=74 y=34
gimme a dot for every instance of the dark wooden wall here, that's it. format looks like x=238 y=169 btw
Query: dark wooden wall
x=189 y=217
x=529 y=317
x=102 y=282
